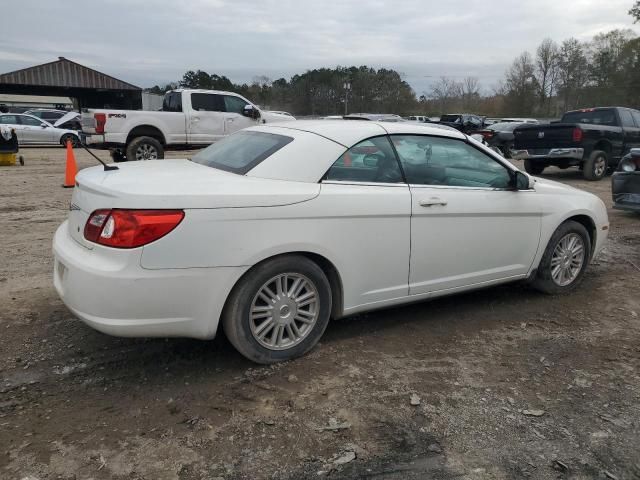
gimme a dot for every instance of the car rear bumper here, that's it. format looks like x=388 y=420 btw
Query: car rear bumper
x=109 y=291
x=552 y=154
x=103 y=140
x=625 y=189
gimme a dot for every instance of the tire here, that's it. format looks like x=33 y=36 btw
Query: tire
x=243 y=332
x=595 y=168
x=144 y=148
x=506 y=150
x=545 y=280
x=534 y=168
x=75 y=141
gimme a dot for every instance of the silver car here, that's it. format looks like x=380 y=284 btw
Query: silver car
x=35 y=131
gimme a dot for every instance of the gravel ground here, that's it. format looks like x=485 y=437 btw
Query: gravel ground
x=497 y=384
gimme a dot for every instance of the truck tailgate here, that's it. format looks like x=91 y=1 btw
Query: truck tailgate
x=537 y=139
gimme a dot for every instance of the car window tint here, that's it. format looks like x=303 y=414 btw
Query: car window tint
x=207 y=102
x=35 y=114
x=51 y=115
x=242 y=151
x=9 y=120
x=636 y=116
x=626 y=118
x=32 y=122
x=371 y=160
x=444 y=161
x=234 y=104
x=595 y=117
x=172 y=102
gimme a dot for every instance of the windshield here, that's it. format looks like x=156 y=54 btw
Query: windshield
x=596 y=117
x=242 y=151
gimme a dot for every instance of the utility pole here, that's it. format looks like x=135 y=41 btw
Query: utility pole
x=347 y=87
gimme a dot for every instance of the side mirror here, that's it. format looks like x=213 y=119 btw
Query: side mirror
x=43 y=125
x=523 y=181
x=251 y=112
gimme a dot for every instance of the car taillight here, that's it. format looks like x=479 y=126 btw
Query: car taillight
x=488 y=134
x=101 y=119
x=130 y=228
x=577 y=135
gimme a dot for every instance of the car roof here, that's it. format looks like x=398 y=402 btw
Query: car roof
x=348 y=133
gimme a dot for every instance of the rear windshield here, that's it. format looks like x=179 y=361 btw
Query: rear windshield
x=240 y=152
x=450 y=118
x=596 y=117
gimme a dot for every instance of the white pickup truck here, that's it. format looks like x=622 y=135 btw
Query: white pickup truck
x=189 y=118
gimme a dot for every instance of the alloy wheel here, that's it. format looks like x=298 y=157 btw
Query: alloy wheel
x=284 y=311
x=146 y=152
x=567 y=259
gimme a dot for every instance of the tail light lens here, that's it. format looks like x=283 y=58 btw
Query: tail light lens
x=487 y=134
x=130 y=228
x=577 y=135
x=101 y=119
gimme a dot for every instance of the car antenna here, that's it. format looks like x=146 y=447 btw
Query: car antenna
x=106 y=167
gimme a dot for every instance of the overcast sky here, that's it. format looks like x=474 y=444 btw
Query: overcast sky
x=147 y=42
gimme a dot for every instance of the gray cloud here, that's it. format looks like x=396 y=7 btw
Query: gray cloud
x=148 y=42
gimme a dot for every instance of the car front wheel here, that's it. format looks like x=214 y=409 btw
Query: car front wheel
x=69 y=137
x=533 y=168
x=278 y=310
x=565 y=259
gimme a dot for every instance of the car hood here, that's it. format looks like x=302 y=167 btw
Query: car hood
x=271 y=117
x=182 y=184
x=66 y=118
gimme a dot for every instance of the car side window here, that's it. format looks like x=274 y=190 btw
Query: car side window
x=371 y=160
x=234 y=104
x=207 y=102
x=9 y=120
x=626 y=118
x=636 y=117
x=448 y=162
x=30 y=121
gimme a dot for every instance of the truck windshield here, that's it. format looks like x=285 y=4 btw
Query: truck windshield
x=242 y=151
x=596 y=117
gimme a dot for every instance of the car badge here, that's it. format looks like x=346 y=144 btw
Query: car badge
x=540 y=134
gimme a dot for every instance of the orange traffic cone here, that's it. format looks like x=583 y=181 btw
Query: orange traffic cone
x=71 y=168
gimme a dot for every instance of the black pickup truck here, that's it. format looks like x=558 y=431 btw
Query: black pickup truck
x=593 y=139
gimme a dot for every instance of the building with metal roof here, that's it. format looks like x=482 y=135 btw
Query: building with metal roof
x=64 y=78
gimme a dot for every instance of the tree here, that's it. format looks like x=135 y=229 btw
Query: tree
x=546 y=73
x=635 y=11
x=572 y=72
x=521 y=85
x=470 y=89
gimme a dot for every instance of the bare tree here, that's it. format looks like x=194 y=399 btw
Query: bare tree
x=521 y=85
x=546 y=72
x=572 y=72
x=445 y=92
x=470 y=89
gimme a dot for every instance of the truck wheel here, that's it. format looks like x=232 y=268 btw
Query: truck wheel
x=145 y=148
x=595 y=168
x=533 y=168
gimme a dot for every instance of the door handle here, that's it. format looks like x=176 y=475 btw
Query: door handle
x=195 y=119
x=432 y=202
x=230 y=119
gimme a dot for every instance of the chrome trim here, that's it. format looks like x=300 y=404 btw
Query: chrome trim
x=365 y=184
x=574 y=153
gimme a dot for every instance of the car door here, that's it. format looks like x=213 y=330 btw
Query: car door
x=13 y=120
x=206 y=118
x=36 y=130
x=468 y=227
x=368 y=209
x=234 y=119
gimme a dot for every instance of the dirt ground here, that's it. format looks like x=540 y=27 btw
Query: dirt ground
x=502 y=383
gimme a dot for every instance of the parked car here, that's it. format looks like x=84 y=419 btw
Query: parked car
x=189 y=118
x=417 y=118
x=58 y=118
x=35 y=131
x=593 y=139
x=465 y=122
x=625 y=182
x=279 y=112
x=500 y=136
x=276 y=229
x=375 y=117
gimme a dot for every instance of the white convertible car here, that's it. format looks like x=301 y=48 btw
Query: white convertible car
x=276 y=229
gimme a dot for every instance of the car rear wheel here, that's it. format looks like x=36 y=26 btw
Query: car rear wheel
x=69 y=137
x=595 y=168
x=144 y=148
x=279 y=309
x=565 y=259
x=533 y=168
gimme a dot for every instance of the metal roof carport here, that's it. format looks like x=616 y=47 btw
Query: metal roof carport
x=91 y=89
